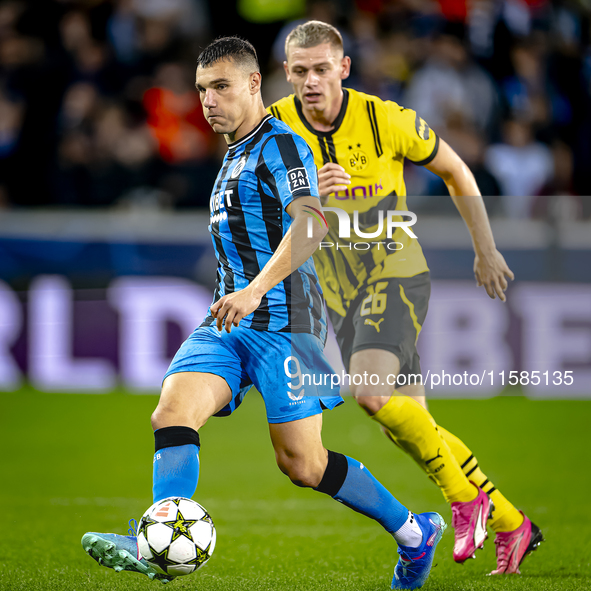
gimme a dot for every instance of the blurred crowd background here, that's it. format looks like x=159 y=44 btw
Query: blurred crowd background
x=98 y=107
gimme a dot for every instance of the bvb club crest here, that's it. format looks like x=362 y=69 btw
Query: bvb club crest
x=357 y=158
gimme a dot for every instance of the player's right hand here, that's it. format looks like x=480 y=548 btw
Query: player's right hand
x=332 y=178
x=490 y=271
x=230 y=309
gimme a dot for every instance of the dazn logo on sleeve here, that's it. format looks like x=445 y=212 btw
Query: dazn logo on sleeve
x=298 y=179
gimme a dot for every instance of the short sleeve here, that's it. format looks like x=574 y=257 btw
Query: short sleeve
x=411 y=135
x=286 y=166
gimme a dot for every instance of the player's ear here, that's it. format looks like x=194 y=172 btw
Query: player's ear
x=345 y=67
x=255 y=82
x=286 y=68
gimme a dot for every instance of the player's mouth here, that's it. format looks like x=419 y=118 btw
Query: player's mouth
x=312 y=97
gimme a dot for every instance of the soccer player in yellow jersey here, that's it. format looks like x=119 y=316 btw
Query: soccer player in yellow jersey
x=377 y=298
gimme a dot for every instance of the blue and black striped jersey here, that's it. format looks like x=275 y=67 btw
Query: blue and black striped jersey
x=261 y=174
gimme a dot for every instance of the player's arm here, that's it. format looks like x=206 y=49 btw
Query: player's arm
x=295 y=248
x=490 y=267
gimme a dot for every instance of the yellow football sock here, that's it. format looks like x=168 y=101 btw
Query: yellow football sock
x=413 y=429
x=505 y=516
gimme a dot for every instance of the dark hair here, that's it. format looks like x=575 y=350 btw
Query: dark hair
x=234 y=48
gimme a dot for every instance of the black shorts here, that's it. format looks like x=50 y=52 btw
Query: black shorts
x=389 y=315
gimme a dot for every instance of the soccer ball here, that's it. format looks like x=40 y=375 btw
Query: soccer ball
x=176 y=536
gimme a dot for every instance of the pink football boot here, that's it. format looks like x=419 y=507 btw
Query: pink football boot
x=514 y=546
x=469 y=523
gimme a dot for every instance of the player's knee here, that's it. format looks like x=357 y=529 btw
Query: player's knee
x=301 y=471
x=370 y=403
x=173 y=411
x=422 y=400
x=167 y=415
x=161 y=418
x=369 y=390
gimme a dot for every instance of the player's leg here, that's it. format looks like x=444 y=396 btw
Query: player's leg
x=190 y=395
x=279 y=364
x=505 y=516
x=404 y=311
x=516 y=535
x=398 y=307
x=202 y=379
x=385 y=322
x=409 y=425
x=187 y=401
x=302 y=457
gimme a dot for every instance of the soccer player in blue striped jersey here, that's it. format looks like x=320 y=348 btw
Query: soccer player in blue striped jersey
x=261 y=175
x=266 y=325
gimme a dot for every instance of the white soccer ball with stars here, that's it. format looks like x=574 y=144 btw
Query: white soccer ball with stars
x=176 y=536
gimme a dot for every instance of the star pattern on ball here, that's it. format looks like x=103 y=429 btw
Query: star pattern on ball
x=180 y=526
x=161 y=559
x=146 y=521
x=202 y=556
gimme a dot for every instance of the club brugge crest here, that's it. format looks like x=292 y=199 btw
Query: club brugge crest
x=297 y=179
x=238 y=168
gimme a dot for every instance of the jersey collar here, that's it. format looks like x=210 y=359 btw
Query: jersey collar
x=250 y=134
x=337 y=121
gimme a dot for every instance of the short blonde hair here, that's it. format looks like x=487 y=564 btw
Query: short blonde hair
x=314 y=33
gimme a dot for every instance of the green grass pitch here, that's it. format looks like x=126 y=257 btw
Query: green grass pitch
x=73 y=463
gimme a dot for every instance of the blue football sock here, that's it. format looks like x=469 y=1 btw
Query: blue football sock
x=351 y=483
x=176 y=472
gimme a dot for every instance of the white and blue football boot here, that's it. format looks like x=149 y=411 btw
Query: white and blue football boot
x=414 y=564
x=120 y=553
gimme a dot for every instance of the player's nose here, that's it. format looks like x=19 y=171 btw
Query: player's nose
x=311 y=78
x=209 y=99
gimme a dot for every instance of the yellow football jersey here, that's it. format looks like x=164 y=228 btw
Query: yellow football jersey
x=370 y=140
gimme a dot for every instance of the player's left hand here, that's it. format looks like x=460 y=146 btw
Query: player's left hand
x=232 y=308
x=490 y=271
